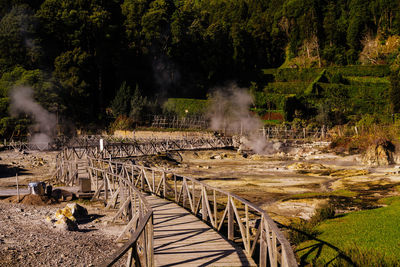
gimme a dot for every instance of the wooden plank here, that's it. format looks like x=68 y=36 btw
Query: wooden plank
x=180 y=239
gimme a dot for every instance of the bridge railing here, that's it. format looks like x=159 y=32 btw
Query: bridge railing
x=144 y=147
x=117 y=190
x=234 y=217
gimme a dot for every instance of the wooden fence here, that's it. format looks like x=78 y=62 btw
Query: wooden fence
x=236 y=218
x=280 y=133
x=117 y=190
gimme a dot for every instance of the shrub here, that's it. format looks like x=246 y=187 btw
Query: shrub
x=122 y=122
x=323 y=213
x=301 y=231
x=305 y=230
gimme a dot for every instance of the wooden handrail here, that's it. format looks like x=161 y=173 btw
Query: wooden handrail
x=229 y=214
x=232 y=216
x=133 y=208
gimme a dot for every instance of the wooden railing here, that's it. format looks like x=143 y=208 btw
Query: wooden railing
x=117 y=190
x=66 y=171
x=144 y=147
x=234 y=217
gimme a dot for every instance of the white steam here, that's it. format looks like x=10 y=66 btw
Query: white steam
x=229 y=112
x=22 y=102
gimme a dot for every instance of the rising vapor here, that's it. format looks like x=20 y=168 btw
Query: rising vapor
x=229 y=112
x=22 y=102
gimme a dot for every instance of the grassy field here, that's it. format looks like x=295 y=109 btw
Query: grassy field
x=362 y=238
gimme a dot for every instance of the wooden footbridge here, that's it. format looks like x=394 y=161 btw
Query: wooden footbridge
x=173 y=220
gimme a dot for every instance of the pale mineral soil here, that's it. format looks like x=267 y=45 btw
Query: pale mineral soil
x=276 y=183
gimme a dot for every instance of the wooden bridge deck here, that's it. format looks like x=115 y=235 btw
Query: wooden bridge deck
x=181 y=239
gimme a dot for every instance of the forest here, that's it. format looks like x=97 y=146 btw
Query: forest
x=90 y=61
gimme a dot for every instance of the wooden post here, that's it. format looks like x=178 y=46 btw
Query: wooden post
x=230 y=218
x=16 y=178
x=176 y=192
x=164 y=177
x=203 y=203
x=247 y=228
x=154 y=181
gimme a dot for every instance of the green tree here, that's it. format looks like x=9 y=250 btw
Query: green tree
x=121 y=105
x=18 y=42
x=139 y=104
x=394 y=91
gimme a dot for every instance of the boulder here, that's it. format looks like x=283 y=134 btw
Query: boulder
x=66 y=224
x=77 y=210
x=379 y=155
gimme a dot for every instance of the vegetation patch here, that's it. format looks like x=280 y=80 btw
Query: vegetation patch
x=362 y=238
x=183 y=107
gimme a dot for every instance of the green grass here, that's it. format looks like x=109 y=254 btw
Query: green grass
x=337 y=193
x=369 y=236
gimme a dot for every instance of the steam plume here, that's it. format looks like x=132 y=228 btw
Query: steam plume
x=229 y=112
x=22 y=102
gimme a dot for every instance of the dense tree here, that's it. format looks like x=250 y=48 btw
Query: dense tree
x=88 y=48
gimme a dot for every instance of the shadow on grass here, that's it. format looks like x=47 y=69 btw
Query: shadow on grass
x=313 y=252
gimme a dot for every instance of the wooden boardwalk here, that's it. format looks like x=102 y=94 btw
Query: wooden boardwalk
x=181 y=239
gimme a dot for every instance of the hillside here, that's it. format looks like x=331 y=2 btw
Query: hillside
x=330 y=96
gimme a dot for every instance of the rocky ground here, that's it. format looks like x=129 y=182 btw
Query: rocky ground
x=26 y=238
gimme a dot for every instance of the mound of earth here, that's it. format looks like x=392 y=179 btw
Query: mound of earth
x=34 y=200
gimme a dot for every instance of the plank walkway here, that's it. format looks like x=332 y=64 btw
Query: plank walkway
x=181 y=239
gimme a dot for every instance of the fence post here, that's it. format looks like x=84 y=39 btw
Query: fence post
x=230 y=218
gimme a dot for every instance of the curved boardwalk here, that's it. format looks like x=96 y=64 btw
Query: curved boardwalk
x=181 y=239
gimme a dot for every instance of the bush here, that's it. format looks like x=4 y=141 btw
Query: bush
x=122 y=122
x=323 y=213
x=305 y=230
x=301 y=231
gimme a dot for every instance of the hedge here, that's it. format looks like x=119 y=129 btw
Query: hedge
x=309 y=74
x=185 y=107
x=286 y=87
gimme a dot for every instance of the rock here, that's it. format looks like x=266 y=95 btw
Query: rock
x=77 y=210
x=62 y=194
x=66 y=224
x=277 y=146
x=379 y=155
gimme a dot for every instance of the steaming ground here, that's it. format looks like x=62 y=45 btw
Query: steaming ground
x=274 y=183
x=23 y=102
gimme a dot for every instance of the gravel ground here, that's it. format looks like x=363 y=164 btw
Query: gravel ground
x=26 y=239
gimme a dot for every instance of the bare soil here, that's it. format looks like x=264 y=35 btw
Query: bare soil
x=31 y=166
x=27 y=239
